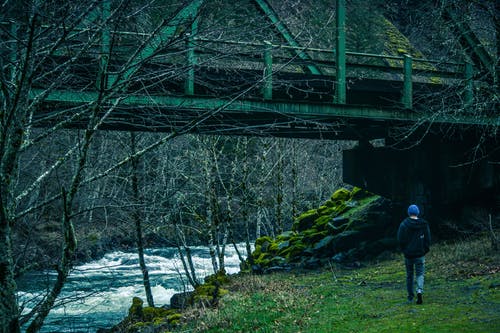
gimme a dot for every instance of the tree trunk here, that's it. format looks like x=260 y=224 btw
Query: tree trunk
x=63 y=270
x=246 y=198
x=295 y=179
x=279 y=191
x=136 y=216
x=188 y=266
x=9 y=311
x=211 y=209
x=496 y=19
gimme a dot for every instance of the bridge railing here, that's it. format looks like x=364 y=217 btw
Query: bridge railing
x=273 y=60
x=273 y=67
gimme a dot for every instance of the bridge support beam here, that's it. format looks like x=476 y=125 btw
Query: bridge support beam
x=432 y=174
x=191 y=59
x=278 y=24
x=340 y=85
x=407 y=82
x=268 y=72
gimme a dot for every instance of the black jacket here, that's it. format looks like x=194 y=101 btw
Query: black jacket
x=414 y=237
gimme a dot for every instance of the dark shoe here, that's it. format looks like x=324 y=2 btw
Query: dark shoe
x=419 y=298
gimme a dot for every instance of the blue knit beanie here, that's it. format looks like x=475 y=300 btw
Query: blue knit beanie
x=413 y=210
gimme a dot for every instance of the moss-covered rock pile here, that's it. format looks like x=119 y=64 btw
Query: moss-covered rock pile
x=350 y=225
x=158 y=319
x=208 y=293
x=142 y=319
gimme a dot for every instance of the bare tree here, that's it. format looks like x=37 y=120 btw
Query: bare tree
x=137 y=217
x=44 y=48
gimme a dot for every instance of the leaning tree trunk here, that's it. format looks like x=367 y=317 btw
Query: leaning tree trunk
x=62 y=270
x=186 y=257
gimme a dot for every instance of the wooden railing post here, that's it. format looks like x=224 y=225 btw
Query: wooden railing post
x=407 y=82
x=268 y=71
x=340 y=84
x=469 y=85
x=191 y=59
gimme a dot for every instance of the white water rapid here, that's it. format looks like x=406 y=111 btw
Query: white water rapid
x=98 y=294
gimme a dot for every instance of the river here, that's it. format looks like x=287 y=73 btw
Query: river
x=99 y=293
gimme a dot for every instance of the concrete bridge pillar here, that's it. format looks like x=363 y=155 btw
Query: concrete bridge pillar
x=434 y=173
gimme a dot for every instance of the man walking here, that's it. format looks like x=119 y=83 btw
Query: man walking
x=414 y=239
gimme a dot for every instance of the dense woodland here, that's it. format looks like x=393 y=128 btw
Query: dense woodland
x=69 y=193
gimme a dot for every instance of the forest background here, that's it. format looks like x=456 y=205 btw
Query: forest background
x=103 y=188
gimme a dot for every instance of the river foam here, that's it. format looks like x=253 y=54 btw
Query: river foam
x=99 y=293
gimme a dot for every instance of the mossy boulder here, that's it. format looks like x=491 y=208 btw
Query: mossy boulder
x=135 y=310
x=348 y=223
x=262 y=243
x=341 y=195
x=209 y=293
x=285 y=235
x=305 y=220
x=146 y=319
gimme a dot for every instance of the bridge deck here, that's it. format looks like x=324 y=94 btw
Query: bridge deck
x=228 y=97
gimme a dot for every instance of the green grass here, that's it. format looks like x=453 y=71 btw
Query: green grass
x=461 y=295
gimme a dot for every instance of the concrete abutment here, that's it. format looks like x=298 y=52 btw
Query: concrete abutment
x=438 y=174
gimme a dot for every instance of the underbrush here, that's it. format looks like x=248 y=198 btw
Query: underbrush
x=461 y=295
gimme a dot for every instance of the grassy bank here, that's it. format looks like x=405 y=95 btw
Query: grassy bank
x=462 y=294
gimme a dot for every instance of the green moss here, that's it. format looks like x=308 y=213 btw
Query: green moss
x=305 y=220
x=174 y=323
x=324 y=209
x=285 y=236
x=273 y=247
x=341 y=195
x=313 y=231
x=153 y=313
x=261 y=257
x=263 y=243
x=340 y=208
x=293 y=251
x=220 y=277
x=262 y=240
x=136 y=327
x=135 y=311
x=321 y=222
x=263 y=262
x=397 y=44
x=358 y=193
x=361 y=206
x=207 y=292
x=257 y=252
x=329 y=203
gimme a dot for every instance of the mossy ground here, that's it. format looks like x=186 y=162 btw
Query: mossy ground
x=462 y=295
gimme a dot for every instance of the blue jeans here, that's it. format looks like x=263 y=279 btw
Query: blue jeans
x=417 y=265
